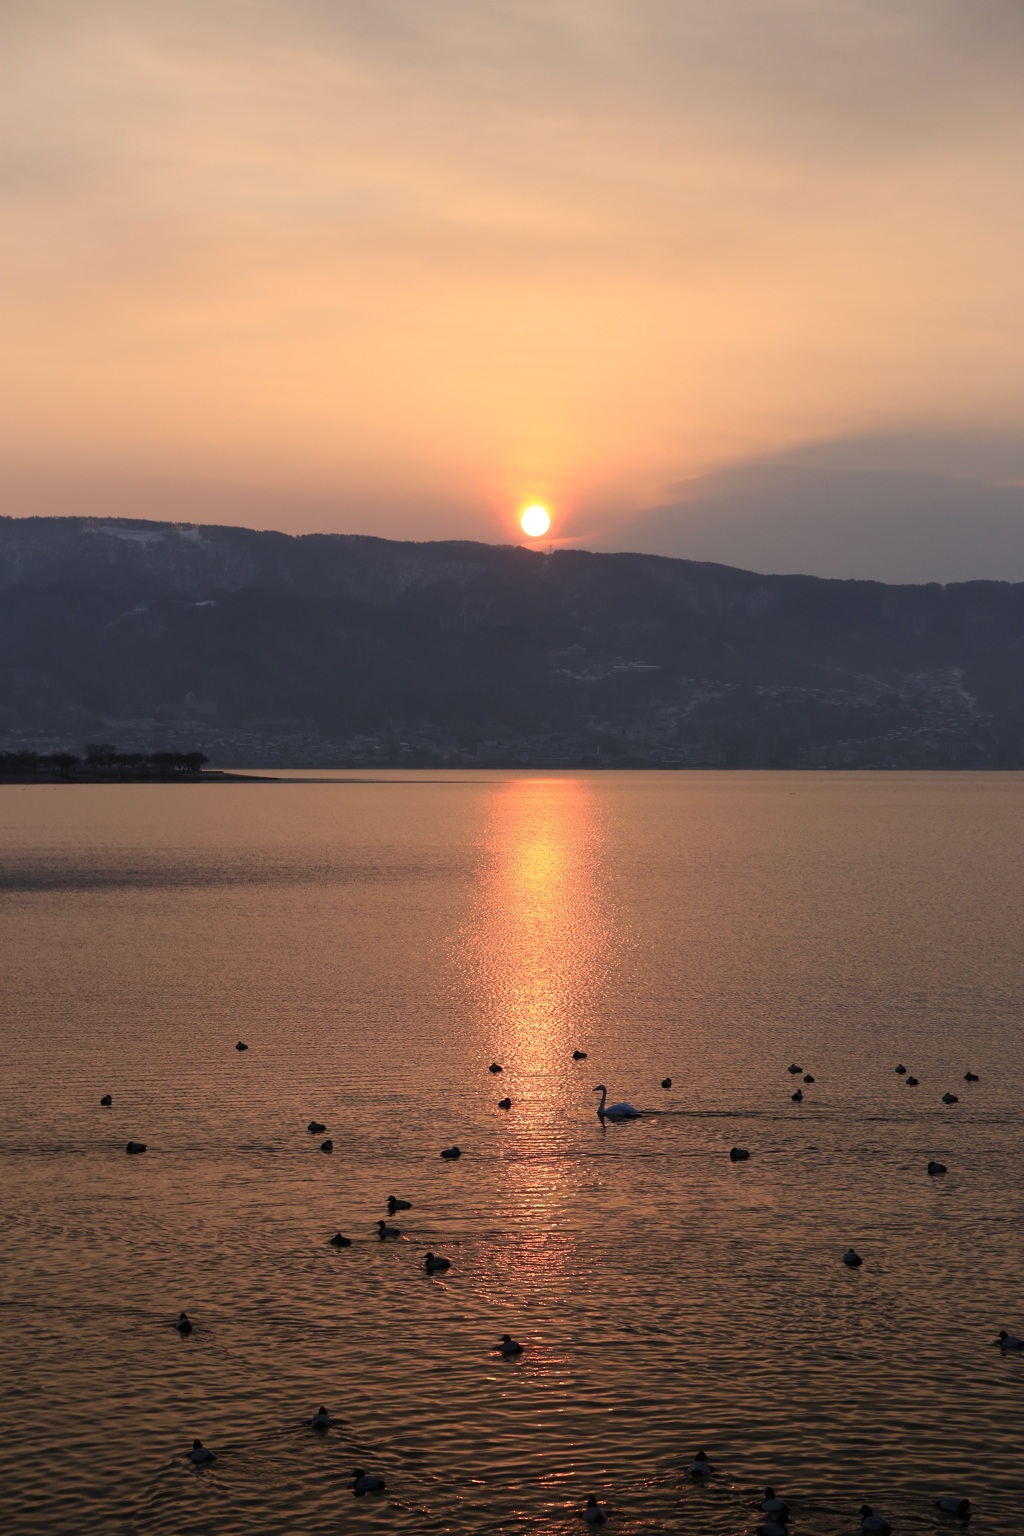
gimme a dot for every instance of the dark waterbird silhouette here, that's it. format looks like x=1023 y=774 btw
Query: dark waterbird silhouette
x=901 y=1069
x=395 y=1204
x=337 y=1241
x=951 y=1504
x=593 y=1512
x=434 y=1264
x=579 y=1055
x=107 y=1100
x=700 y=1466
x=950 y=1098
x=383 y=1230
x=199 y=1454
x=738 y=1154
x=505 y=1103
x=808 y=1078
x=241 y=1046
x=508 y=1346
x=798 y=1097
x=366 y=1482
x=794 y=1069
x=971 y=1077
x=183 y=1325
x=852 y=1259
x=912 y=1082
x=878 y=1525
x=136 y=1146
x=494 y=1067
x=666 y=1082
x=321 y=1419
x=935 y=1168
x=316 y=1128
x=450 y=1153
x=327 y=1146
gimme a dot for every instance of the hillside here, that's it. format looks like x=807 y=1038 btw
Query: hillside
x=262 y=648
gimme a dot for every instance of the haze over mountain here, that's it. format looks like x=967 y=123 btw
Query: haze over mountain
x=262 y=647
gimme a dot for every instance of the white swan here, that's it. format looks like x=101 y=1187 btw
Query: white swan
x=621 y=1111
x=869 y=1521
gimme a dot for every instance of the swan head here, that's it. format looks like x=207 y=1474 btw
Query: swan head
x=599 y=1089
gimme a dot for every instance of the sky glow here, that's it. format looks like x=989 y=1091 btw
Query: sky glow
x=381 y=267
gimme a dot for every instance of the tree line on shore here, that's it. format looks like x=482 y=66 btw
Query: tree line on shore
x=103 y=760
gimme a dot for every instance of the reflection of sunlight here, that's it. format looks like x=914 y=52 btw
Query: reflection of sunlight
x=537 y=959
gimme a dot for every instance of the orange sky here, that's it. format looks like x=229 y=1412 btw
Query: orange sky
x=392 y=266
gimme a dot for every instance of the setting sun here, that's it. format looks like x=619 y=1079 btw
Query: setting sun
x=535 y=521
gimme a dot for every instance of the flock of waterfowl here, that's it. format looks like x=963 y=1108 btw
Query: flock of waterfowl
x=774 y=1509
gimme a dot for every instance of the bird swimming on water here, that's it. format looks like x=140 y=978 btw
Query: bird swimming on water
x=200 y=1454
x=337 y=1241
x=367 y=1482
x=383 y=1230
x=912 y=1082
x=579 y=1055
x=794 y=1068
x=877 y=1524
x=316 y=1127
x=936 y=1168
x=435 y=1265
x=851 y=1258
x=327 y=1146
x=621 y=1111
x=398 y=1205
x=666 y=1082
x=700 y=1466
x=183 y=1325
x=738 y=1154
x=241 y=1046
x=1008 y=1340
x=901 y=1069
x=505 y=1103
x=808 y=1078
x=495 y=1068
x=951 y=1505
x=450 y=1152
x=950 y=1098
x=969 y=1077
x=321 y=1419
x=798 y=1097
x=107 y=1100
x=774 y=1506
x=593 y=1512
x=136 y=1146
x=508 y=1346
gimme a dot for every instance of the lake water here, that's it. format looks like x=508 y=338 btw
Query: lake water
x=378 y=945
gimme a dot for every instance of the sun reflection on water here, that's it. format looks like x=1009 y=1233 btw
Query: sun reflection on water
x=538 y=959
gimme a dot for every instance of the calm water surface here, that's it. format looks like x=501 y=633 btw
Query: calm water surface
x=377 y=945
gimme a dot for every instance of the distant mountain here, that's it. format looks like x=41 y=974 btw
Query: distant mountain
x=262 y=648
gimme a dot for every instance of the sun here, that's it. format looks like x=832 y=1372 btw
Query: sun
x=535 y=521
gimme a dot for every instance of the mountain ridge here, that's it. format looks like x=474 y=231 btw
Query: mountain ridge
x=431 y=651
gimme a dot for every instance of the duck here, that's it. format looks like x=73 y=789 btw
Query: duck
x=794 y=1068
x=969 y=1077
x=495 y=1068
x=241 y=1046
x=738 y=1154
x=337 y=1241
x=508 y=1346
x=950 y=1098
x=901 y=1070
x=183 y=1325
x=327 y=1146
x=505 y=1103
x=593 y=1512
x=398 y=1205
x=774 y=1506
x=936 y=1168
x=700 y=1466
x=808 y=1078
x=367 y=1482
x=912 y=1082
x=798 y=1097
x=451 y=1152
x=136 y=1146
x=107 y=1100
x=434 y=1264
x=877 y=1524
x=951 y=1505
x=321 y=1419
x=579 y=1055
x=1008 y=1340
x=852 y=1259
x=666 y=1082
x=383 y=1230
x=199 y=1454
x=316 y=1127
